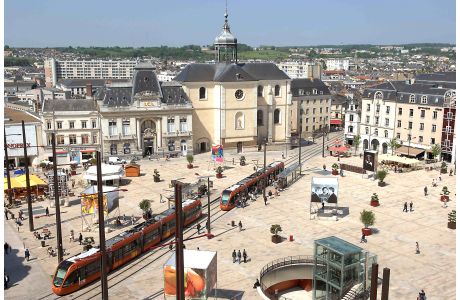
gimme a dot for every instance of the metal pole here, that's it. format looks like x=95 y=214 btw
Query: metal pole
x=180 y=291
x=100 y=210
x=209 y=211
x=300 y=138
x=265 y=166
x=26 y=165
x=385 y=283
x=8 y=178
x=56 y=201
x=324 y=134
x=374 y=277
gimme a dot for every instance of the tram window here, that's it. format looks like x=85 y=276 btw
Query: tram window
x=151 y=236
x=117 y=254
x=72 y=278
x=91 y=268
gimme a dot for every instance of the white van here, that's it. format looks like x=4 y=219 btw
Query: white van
x=115 y=160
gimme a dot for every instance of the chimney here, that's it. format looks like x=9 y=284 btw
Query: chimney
x=89 y=90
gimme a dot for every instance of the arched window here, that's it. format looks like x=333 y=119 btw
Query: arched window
x=202 y=93
x=239 y=120
x=424 y=99
x=260 y=91
x=277 y=116
x=277 y=91
x=386 y=133
x=412 y=99
x=260 y=118
x=376 y=131
x=378 y=95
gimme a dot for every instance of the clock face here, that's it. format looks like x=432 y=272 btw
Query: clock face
x=239 y=94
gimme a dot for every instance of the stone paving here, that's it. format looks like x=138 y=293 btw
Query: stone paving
x=432 y=270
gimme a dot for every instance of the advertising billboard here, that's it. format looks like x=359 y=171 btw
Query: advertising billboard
x=370 y=160
x=200 y=274
x=324 y=189
x=75 y=156
x=217 y=153
x=14 y=140
x=89 y=203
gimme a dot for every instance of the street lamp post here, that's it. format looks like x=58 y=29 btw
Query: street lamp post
x=26 y=164
x=208 y=192
x=56 y=200
x=265 y=166
x=8 y=178
x=180 y=292
x=100 y=210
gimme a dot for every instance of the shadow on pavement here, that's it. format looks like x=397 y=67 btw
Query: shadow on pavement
x=226 y=294
x=16 y=266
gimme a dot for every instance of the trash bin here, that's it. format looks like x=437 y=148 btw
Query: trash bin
x=43 y=243
x=291 y=238
x=233 y=223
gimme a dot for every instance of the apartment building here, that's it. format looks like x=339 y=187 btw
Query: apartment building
x=76 y=124
x=301 y=69
x=311 y=105
x=338 y=106
x=337 y=64
x=87 y=69
x=352 y=120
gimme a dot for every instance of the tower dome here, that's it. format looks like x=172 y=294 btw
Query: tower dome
x=225 y=44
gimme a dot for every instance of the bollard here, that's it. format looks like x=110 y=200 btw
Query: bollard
x=233 y=223
x=291 y=238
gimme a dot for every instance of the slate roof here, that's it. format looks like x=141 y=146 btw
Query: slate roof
x=308 y=84
x=74 y=83
x=174 y=94
x=339 y=100
x=437 y=77
x=227 y=72
x=69 y=105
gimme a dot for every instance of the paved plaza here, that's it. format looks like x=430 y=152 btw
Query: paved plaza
x=432 y=270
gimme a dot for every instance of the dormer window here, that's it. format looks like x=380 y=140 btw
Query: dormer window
x=301 y=92
x=378 y=95
x=315 y=91
x=412 y=99
x=202 y=93
x=320 y=92
x=146 y=79
x=424 y=99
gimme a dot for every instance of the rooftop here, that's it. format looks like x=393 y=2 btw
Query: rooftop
x=338 y=245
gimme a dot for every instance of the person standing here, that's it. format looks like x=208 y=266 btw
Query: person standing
x=6 y=281
x=47 y=211
x=234 y=255
x=240 y=225
x=6 y=246
x=198 y=227
x=6 y=213
x=239 y=256
x=72 y=235
x=265 y=200
x=363 y=238
x=421 y=295
x=80 y=238
x=27 y=254
x=410 y=205
x=426 y=191
x=417 y=248
x=405 y=207
x=245 y=255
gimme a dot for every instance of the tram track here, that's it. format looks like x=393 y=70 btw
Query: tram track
x=93 y=290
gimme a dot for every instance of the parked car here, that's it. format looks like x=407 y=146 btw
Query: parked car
x=115 y=160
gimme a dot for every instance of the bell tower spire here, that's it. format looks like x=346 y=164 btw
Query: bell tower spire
x=225 y=44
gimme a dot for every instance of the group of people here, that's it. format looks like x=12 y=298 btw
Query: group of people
x=237 y=256
x=410 y=206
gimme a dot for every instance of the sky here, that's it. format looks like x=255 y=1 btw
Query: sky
x=137 y=23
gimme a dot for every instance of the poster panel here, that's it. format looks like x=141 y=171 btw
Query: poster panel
x=75 y=156
x=217 y=153
x=89 y=204
x=370 y=160
x=324 y=189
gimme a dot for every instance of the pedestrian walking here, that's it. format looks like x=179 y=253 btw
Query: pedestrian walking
x=265 y=200
x=450 y=172
x=322 y=205
x=405 y=207
x=256 y=284
x=6 y=281
x=27 y=254
x=21 y=215
x=234 y=256
x=440 y=178
x=363 y=239
x=417 y=248
x=198 y=248
x=6 y=246
x=47 y=212
x=245 y=255
x=198 y=227
x=132 y=220
x=6 y=213
x=240 y=225
x=72 y=236
x=421 y=295
x=239 y=256
x=410 y=205
x=425 y=189
x=80 y=238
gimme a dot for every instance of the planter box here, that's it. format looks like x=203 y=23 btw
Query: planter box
x=443 y=171
x=219 y=175
x=366 y=231
x=242 y=163
x=375 y=203
x=156 y=179
x=335 y=172
x=445 y=198
x=381 y=183
x=189 y=166
x=276 y=239
x=451 y=225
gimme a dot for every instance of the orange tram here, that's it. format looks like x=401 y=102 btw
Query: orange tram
x=80 y=270
x=253 y=183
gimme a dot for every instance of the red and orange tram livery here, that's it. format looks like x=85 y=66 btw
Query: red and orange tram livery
x=80 y=270
x=253 y=183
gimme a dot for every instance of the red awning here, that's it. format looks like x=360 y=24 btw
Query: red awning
x=88 y=150
x=61 y=152
x=336 y=122
x=339 y=149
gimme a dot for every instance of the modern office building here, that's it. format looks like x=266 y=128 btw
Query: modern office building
x=301 y=69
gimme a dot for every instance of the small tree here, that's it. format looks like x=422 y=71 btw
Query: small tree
x=367 y=218
x=156 y=175
x=394 y=144
x=242 y=160
x=190 y=158
x=445 y=191
x=335 y=166
x=93 y=161
x=145 y=205
x=381 y=174
x=219 y=170
x=436 y=150
x=375 y=197
x=275 y=229
x=356 y=142
x=452 y=216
